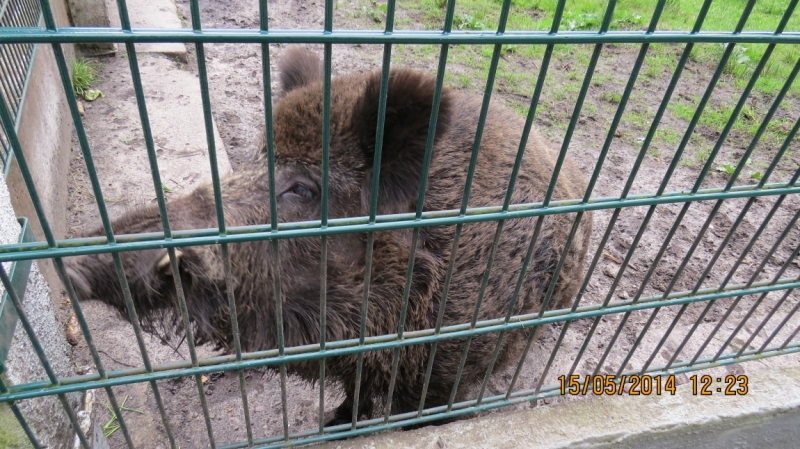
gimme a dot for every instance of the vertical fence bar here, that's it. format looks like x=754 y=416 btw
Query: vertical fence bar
x=219 y=206
x=326 y=146
x=8 y=125
x=535 y=237
x=276 y=260
x=551 y=188
x=446 y=29
x=509 y=192
x=373 y=207
x=501 y=26
x=440 y=71
x=8 y=84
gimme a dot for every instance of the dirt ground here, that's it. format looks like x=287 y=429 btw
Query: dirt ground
x=237 y=102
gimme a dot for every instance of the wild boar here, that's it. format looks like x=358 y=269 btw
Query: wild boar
x=298 y=187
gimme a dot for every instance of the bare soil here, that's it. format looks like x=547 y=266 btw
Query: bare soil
x=237 y=102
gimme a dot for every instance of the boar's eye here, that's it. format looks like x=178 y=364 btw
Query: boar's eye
x=300 y=190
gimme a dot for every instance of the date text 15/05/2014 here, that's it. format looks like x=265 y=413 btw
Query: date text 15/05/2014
x=635 y=385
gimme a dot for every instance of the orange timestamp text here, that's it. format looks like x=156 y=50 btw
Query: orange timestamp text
x=610 y=385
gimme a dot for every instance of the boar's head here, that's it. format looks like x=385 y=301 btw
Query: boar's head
x=297 y=126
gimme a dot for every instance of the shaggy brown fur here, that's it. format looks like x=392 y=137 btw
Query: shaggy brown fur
x=298 y=145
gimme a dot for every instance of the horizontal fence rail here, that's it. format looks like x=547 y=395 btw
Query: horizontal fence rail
x=638 y=291
x=212 y=36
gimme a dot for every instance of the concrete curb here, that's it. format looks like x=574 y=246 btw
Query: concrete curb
x=151 y=14
x=768 y=415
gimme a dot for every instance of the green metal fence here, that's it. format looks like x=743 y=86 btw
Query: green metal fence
x=16 y=61
x=784 y=282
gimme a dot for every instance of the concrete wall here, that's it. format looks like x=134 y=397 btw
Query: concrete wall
x=45 y=132
x=45 y=415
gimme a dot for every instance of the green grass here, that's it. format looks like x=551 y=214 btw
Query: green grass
x=679 y=15
x=519 y=65
x=84 y=75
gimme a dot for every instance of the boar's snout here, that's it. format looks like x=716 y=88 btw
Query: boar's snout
x=152 y=287
x=94 y=276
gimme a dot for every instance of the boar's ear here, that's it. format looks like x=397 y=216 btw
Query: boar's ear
x=409 y=103
x=299 y=67
x=163 y=267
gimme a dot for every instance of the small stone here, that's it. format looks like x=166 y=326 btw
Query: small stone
x=625 y=241
x=260 y=408
x=609 y=271
x=623 y=294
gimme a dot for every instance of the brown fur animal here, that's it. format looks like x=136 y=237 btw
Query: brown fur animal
x=298 y=143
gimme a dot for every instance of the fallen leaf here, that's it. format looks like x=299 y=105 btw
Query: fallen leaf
x=92 y=94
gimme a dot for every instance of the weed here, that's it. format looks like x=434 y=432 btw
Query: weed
x=611 y=97
x=467 y=22
x=580 y=21
x=702 y=155
x=375 y=11
x=628 y=21
x=111 y=426
x=166 y=189
x=739 y=62
x=84 y=75
x=652 y=70
x=726 y=168
x=730 y=169
x=748 y=113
